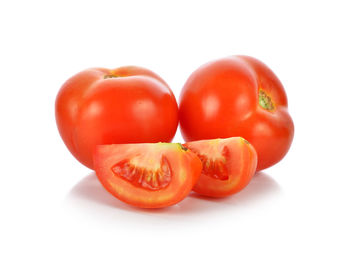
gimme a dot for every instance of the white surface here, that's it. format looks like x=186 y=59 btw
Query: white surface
x=54 y=211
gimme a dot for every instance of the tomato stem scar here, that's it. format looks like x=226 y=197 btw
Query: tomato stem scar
x=265 y=101
x=246 y=141
x=110 y=76
x=182 y=147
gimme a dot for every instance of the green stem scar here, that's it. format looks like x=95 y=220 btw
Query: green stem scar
x=246 y=141
x=182 y=147
x=110 y=76
x=265 y=101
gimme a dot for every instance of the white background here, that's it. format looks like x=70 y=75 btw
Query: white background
x=53 y=210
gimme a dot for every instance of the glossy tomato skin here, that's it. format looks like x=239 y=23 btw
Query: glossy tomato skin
x=124 y=105
x=222 y=99
x=132 y=188
x=228 y=165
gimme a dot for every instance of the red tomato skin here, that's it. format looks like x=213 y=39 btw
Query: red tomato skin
x=136 y=106
x=221 y=99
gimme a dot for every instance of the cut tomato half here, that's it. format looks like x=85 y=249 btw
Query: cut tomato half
x=228 y=165
x=147 y=175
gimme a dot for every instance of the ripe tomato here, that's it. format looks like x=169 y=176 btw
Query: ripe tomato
x=238 y=96
x=125 y=105
x=147 y=175
x=228 y=165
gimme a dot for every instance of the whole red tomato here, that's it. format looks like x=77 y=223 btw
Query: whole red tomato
x=238 y=96
x=125 y=105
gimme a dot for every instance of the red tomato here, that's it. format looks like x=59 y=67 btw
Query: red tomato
x=125 y=105
x=228 y=165
x=238 y=96
x=147 y=175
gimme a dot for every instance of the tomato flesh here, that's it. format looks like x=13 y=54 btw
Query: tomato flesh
x=228 y=165
x=150 y=175
x=215 y=168
x=152 y=179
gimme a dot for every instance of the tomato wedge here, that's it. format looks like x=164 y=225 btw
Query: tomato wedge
x=228 y=165
x=150 y=175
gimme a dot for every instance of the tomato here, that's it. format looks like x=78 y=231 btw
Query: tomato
x=228 y=165
x=238 y=96
x=125 y=105
x=147 y=175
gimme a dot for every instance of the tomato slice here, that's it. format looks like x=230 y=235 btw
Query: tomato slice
x=228 y=165
x=151 y=175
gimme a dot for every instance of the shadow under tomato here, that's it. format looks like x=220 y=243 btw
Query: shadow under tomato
x=90 y=190
x=260 y=186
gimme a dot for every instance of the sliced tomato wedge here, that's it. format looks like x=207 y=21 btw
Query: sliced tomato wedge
x=151 y=175
x=228 y=165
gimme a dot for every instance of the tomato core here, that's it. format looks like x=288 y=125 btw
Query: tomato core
x=265 y=101
x=144 y=177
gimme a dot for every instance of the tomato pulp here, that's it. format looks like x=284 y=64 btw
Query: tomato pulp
x=147 y=175
x=228 y=165
x=238 y=96
x=125 y=105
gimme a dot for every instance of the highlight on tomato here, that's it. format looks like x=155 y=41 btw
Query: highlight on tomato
x=147 y=175
x=228 y=165
x=238 y=96
x=125 y=105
